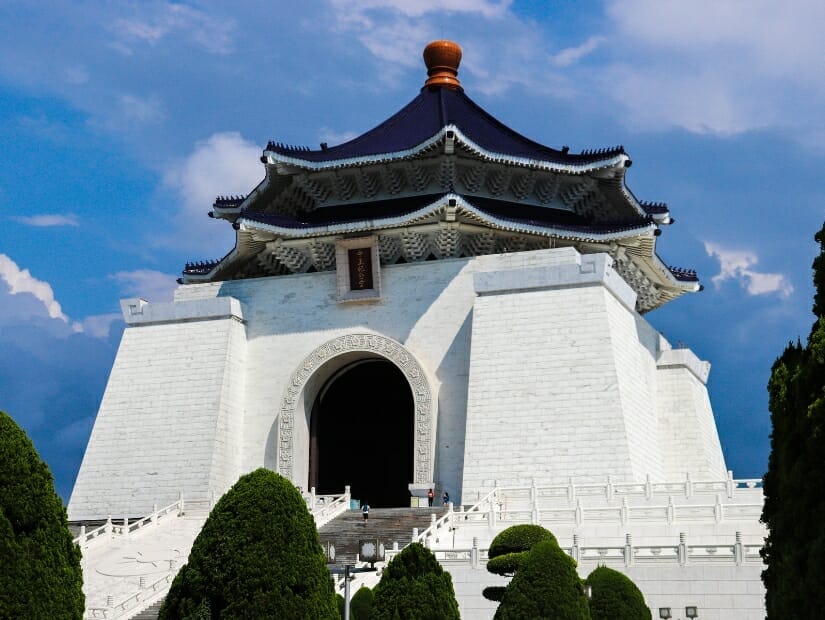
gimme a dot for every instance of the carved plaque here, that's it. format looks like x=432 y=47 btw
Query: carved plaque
x=360 y=269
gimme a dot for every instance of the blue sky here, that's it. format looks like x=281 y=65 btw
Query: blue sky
x=121 y=121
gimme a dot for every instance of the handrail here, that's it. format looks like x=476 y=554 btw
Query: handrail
x=435 y=526
x=124 y=607
x=126 y=528
x=324 y=508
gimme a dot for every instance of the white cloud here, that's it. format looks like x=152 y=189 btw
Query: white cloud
x=333 y=138
x=146 y=283
x=223 y=164
x=22 y=281
x=47 y=220
x=159 y=20
x=359 y=8
x=717 y=67
x=99 y=325
x=572 y=55
x=141 y=109
x=737 y=265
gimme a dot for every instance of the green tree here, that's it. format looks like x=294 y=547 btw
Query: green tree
x=257 y=556
x=613 y=596
x=360 y=607
x=415 y=586
x=507 y=551
x=545 y=586
x=794 y=484
x=40 y=574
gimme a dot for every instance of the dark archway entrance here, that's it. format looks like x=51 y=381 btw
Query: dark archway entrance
x=361 y=434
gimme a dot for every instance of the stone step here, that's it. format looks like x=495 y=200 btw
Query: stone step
x=386 y=525
x=151 y=612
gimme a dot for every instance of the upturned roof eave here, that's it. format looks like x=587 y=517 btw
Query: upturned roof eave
x=407 y=219
x=615 y=160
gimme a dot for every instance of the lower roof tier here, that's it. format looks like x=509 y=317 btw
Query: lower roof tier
x=442 y=226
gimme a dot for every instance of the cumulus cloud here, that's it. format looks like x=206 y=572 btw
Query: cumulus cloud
x=22 y=281
x=47 y=220
x=146 y=283
x=359 y=8
x=223 y=164
x=141 y=109
x=737 y=265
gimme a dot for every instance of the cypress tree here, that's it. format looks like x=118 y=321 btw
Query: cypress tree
x=415 y=586
x=40 y=574
x=257 y=556
x=360 y=607
x=613 y=596
x=545 y=586
x=794 y=484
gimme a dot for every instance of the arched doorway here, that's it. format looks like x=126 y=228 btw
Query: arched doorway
x=362 y=434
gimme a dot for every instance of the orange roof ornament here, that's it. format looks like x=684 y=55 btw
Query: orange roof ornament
x=442 y=59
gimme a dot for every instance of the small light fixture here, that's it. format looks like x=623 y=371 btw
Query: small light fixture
x=588 y=590
x=692 y=611
x=664 y=612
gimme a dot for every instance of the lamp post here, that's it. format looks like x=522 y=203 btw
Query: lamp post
x=692 y=611
x=664 y=613
x=372 y=551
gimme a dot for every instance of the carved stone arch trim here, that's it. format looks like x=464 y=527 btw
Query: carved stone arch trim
x=370 y=343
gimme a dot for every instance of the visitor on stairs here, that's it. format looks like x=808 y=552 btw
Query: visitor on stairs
x=365 y=510
x=430 y=496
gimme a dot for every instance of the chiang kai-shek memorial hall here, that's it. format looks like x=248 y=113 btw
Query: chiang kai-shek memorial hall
x=438 y=303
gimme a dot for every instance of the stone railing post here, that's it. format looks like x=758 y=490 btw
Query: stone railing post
x=671 y=510
x=108 y=525
x=648 y=487
x=628 y=550
x=575 y=550
x=312 y=499
x=624 y=512
x=578 y=512
x=415 y=533
x=347 y=495
x=125 y=526
x=474 y=553
x=738 y=550
x=491 y=516
x=683 y=559
x=729 y=484
x=181 y=507
x=609 y=488
x=155 y=512
x=718 y=510
x=571 y=490
x=83 y=533
x=534 y=503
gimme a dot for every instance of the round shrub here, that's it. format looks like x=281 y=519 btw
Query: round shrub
x=545 y=586
x=613 y=596
x=257 y=556
x=40 y=574
x=414 y=586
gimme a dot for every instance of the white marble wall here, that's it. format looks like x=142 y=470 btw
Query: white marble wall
x=563 y=379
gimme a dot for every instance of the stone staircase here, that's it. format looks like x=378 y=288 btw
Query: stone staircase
x=387 y=525
x=150 y=613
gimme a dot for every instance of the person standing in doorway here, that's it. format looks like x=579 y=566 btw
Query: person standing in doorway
x=430 y=497
x=365 y=510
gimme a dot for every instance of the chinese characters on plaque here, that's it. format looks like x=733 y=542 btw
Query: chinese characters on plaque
x=360 y=269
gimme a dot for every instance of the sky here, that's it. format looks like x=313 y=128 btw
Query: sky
x=121 y=121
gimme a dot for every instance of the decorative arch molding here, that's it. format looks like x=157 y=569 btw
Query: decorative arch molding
x=382 y=346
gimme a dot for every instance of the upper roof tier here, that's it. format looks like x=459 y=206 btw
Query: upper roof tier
x=426 y=121
x=441 y=107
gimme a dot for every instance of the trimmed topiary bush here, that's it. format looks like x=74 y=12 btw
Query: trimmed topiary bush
x=613 y=596
x=414 y=586
x=40 y=574
x=507 y=551
x=257 y=556
x=545 y=586
x=360 y=607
